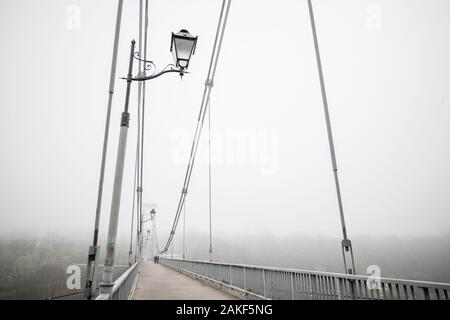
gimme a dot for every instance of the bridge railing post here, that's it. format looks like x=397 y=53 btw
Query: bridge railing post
x=92 y=267
x=352 y=284
x=245 y=280
x=426 y=293
x=292 y=286
x=339 y=288
x=264 y=283
x=314 y=286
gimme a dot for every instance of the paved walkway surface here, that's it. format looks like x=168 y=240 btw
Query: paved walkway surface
x=158 y=282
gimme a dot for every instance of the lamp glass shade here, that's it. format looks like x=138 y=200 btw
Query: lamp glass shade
x=183 y=47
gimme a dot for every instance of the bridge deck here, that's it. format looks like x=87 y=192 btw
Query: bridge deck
x=158 y=282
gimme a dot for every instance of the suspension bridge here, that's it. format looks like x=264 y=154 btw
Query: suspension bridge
x=169 y=277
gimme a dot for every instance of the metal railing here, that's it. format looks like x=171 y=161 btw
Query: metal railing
x=123 y=287
x=291 y=284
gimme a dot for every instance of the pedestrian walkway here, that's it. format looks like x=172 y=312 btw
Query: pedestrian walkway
x=158 y=282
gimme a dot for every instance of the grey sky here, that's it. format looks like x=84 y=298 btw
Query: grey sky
x=387 y=75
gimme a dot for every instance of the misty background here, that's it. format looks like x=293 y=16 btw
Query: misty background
x=387 y=75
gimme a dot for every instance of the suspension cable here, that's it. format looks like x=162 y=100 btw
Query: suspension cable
x=201 y=117
x=184 y=231
x=144 y=51
x=134 y=199
x=139 y=185
x=209 y=180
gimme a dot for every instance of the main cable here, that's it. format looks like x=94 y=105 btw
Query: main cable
x=142 y=127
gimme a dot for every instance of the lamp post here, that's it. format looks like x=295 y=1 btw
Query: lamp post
x=152 y=218
x=183 y=46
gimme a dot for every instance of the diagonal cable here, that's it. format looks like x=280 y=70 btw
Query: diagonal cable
x=203 y=110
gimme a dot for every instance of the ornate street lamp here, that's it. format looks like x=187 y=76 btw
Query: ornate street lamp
x=152 y=214
x=183 y=47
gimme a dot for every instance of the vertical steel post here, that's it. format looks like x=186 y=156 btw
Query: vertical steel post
x=264 y=283
x=142 y=73
x=143 y=27
x=130 y=252
x=184 y=232
x=107 y=284
x=346 y=243
x=91 y=279
x=245 y=280
x=153 y=239
x=292 y=286
x=209 y=180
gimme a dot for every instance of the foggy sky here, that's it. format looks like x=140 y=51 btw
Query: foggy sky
x=387 y=75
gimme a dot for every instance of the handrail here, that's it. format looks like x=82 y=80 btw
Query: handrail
x=124 y=277
x=124 y=285
x=282 y=283
x=324 y=273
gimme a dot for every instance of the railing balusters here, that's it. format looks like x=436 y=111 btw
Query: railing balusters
x=399 y=296
x=264 y=282
x=273 y=283
x=330 y=288
x=339 y=288
x=333 y=288
x=321 y=287
x=405 y=290
x=307 y=286
x=426 y=293
x=359 y=289
x=370 y=292
x=301 y=288
x=315 y=287
x=367 y=290
x=391 y=293
x=283 y=285
x=376 y=293
x=438 y=297
x=292 y=286
x=413 y=294
x=325 y=286
x=345 y=288
x=245 y=280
